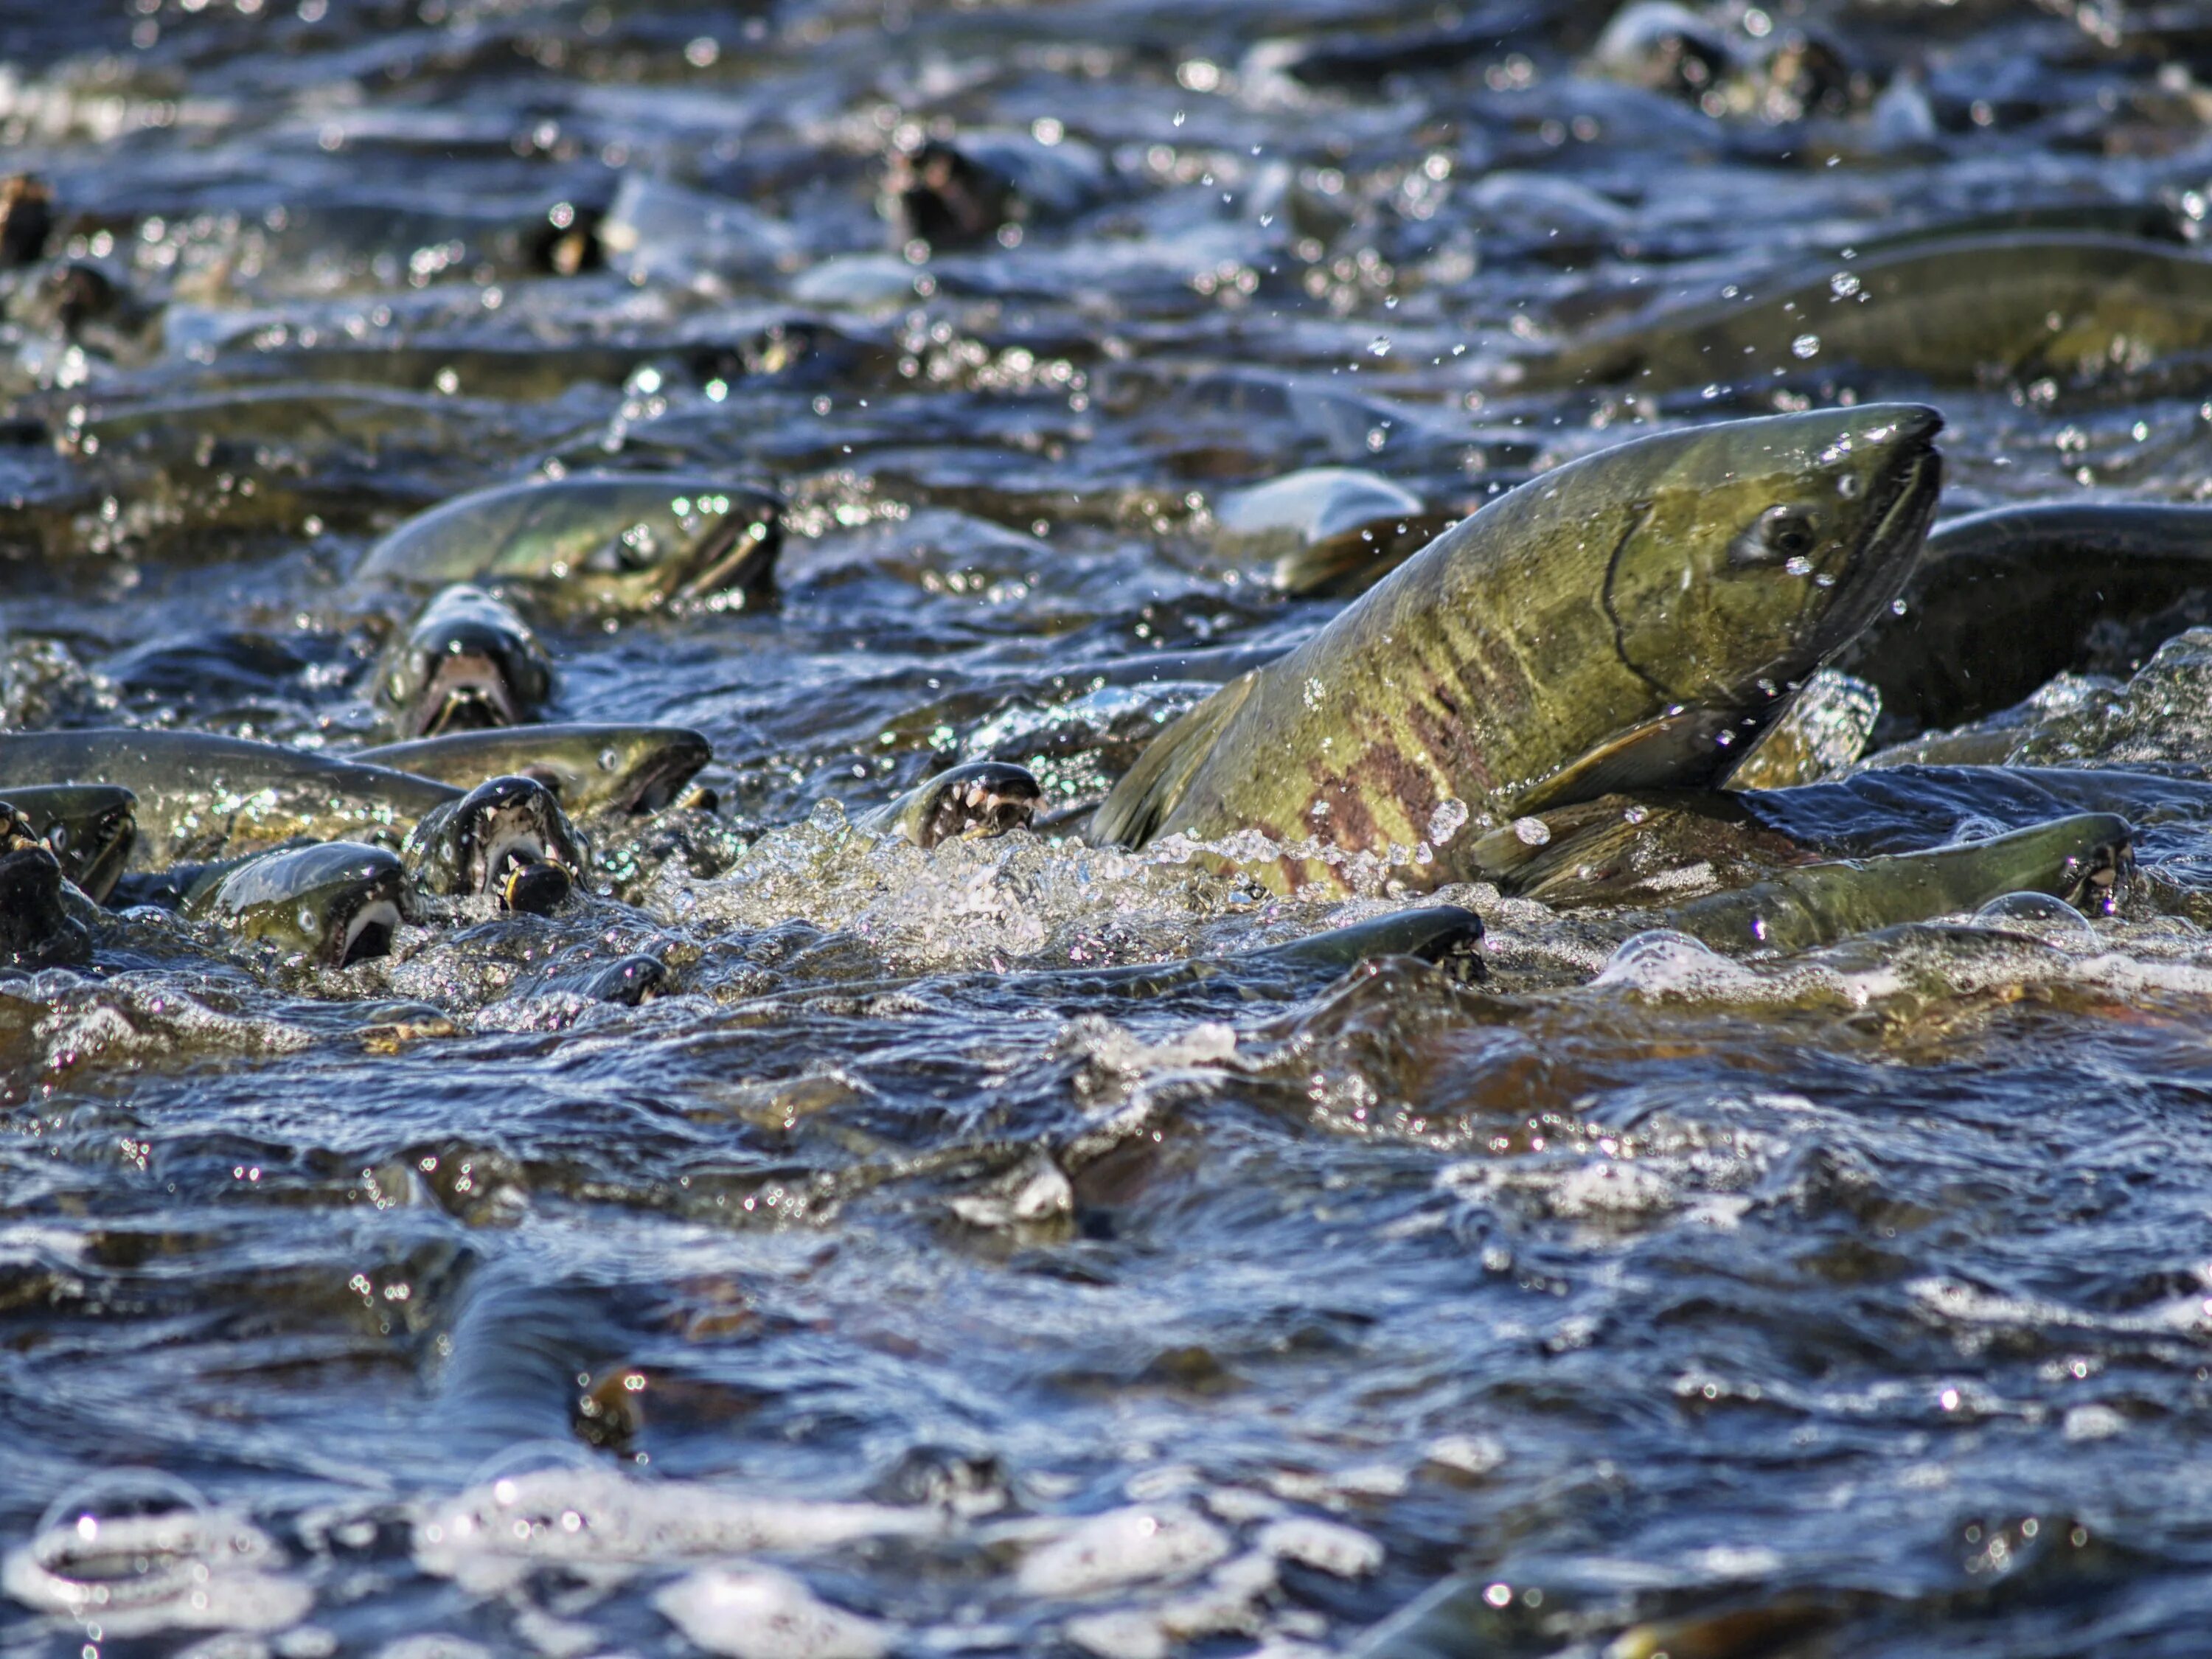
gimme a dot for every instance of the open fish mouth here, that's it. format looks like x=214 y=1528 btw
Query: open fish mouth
x=734 y=544
x=368 y=931
x=467 y=692
x=981 y=808
x=500 y=853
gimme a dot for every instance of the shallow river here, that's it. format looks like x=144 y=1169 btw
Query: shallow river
x=889 y=1286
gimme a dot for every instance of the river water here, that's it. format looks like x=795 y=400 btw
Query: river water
x=889 y=1287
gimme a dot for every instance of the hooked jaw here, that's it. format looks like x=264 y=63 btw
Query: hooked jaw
x=740 y=556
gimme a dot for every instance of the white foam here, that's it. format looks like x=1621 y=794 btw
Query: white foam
x=1131 y=1545
x=492 y=1534
x=758 y=1613
x=1327 y=1546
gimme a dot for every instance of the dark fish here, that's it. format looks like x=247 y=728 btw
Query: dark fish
x=2002 y=601
x=89 y=828
x=37 y=929
x=978 y=800
x=507 y=839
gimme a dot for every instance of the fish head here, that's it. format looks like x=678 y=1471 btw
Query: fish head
x=680 y=540
x=490 y=842
x=647 y=765
x=337 y=903
x=90 y=828
x=1759 y=548
x=972 y=801
x=469 y=663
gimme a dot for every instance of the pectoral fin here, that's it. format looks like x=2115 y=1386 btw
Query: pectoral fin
x=1674 y=751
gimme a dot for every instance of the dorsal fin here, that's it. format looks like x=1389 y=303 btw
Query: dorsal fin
x=1148 y=792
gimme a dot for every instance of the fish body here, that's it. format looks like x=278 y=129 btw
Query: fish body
x=1962 y=310
x=1324 y=530
x=201 y=798
x=1631 y=620
x=2003 y=601
x=2084 y=859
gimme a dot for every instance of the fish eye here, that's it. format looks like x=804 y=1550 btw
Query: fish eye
x=636 y=549
x=1778 y=536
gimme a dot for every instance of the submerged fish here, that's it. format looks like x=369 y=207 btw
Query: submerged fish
x=592 y=768
x=335 y=902
x=1632 y=620
x=2002 y=602
x=468 y=661
x=948 y=192
x=1324 y=530
x=1443 y=935
x=201 y=798
x=1664 y=846
x=621 y=543
x=507 y=839
x=2084 y=860
x=1958 y=311
x=89 y=828
x=978 y=800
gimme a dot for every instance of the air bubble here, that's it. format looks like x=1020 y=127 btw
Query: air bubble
x=142 y=1552
x=2040 y=916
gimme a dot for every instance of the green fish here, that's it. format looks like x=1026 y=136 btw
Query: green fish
x=1632 y=620
x=626 y=542
x=592 y=768
x=2085 y=860
x=201 y=798
x=334 y=903
x=1958 y=311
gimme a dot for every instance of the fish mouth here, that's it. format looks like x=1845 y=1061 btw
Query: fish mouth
x=981 y=807
x=669 y=771
x=501 y=851
x=2100 y=877
x=736 y=544
x=368 y=931
x=1903 y=508
x=467 y=692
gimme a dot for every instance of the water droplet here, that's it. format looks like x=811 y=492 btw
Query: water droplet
x=1531 y=832
x=1805 y=345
